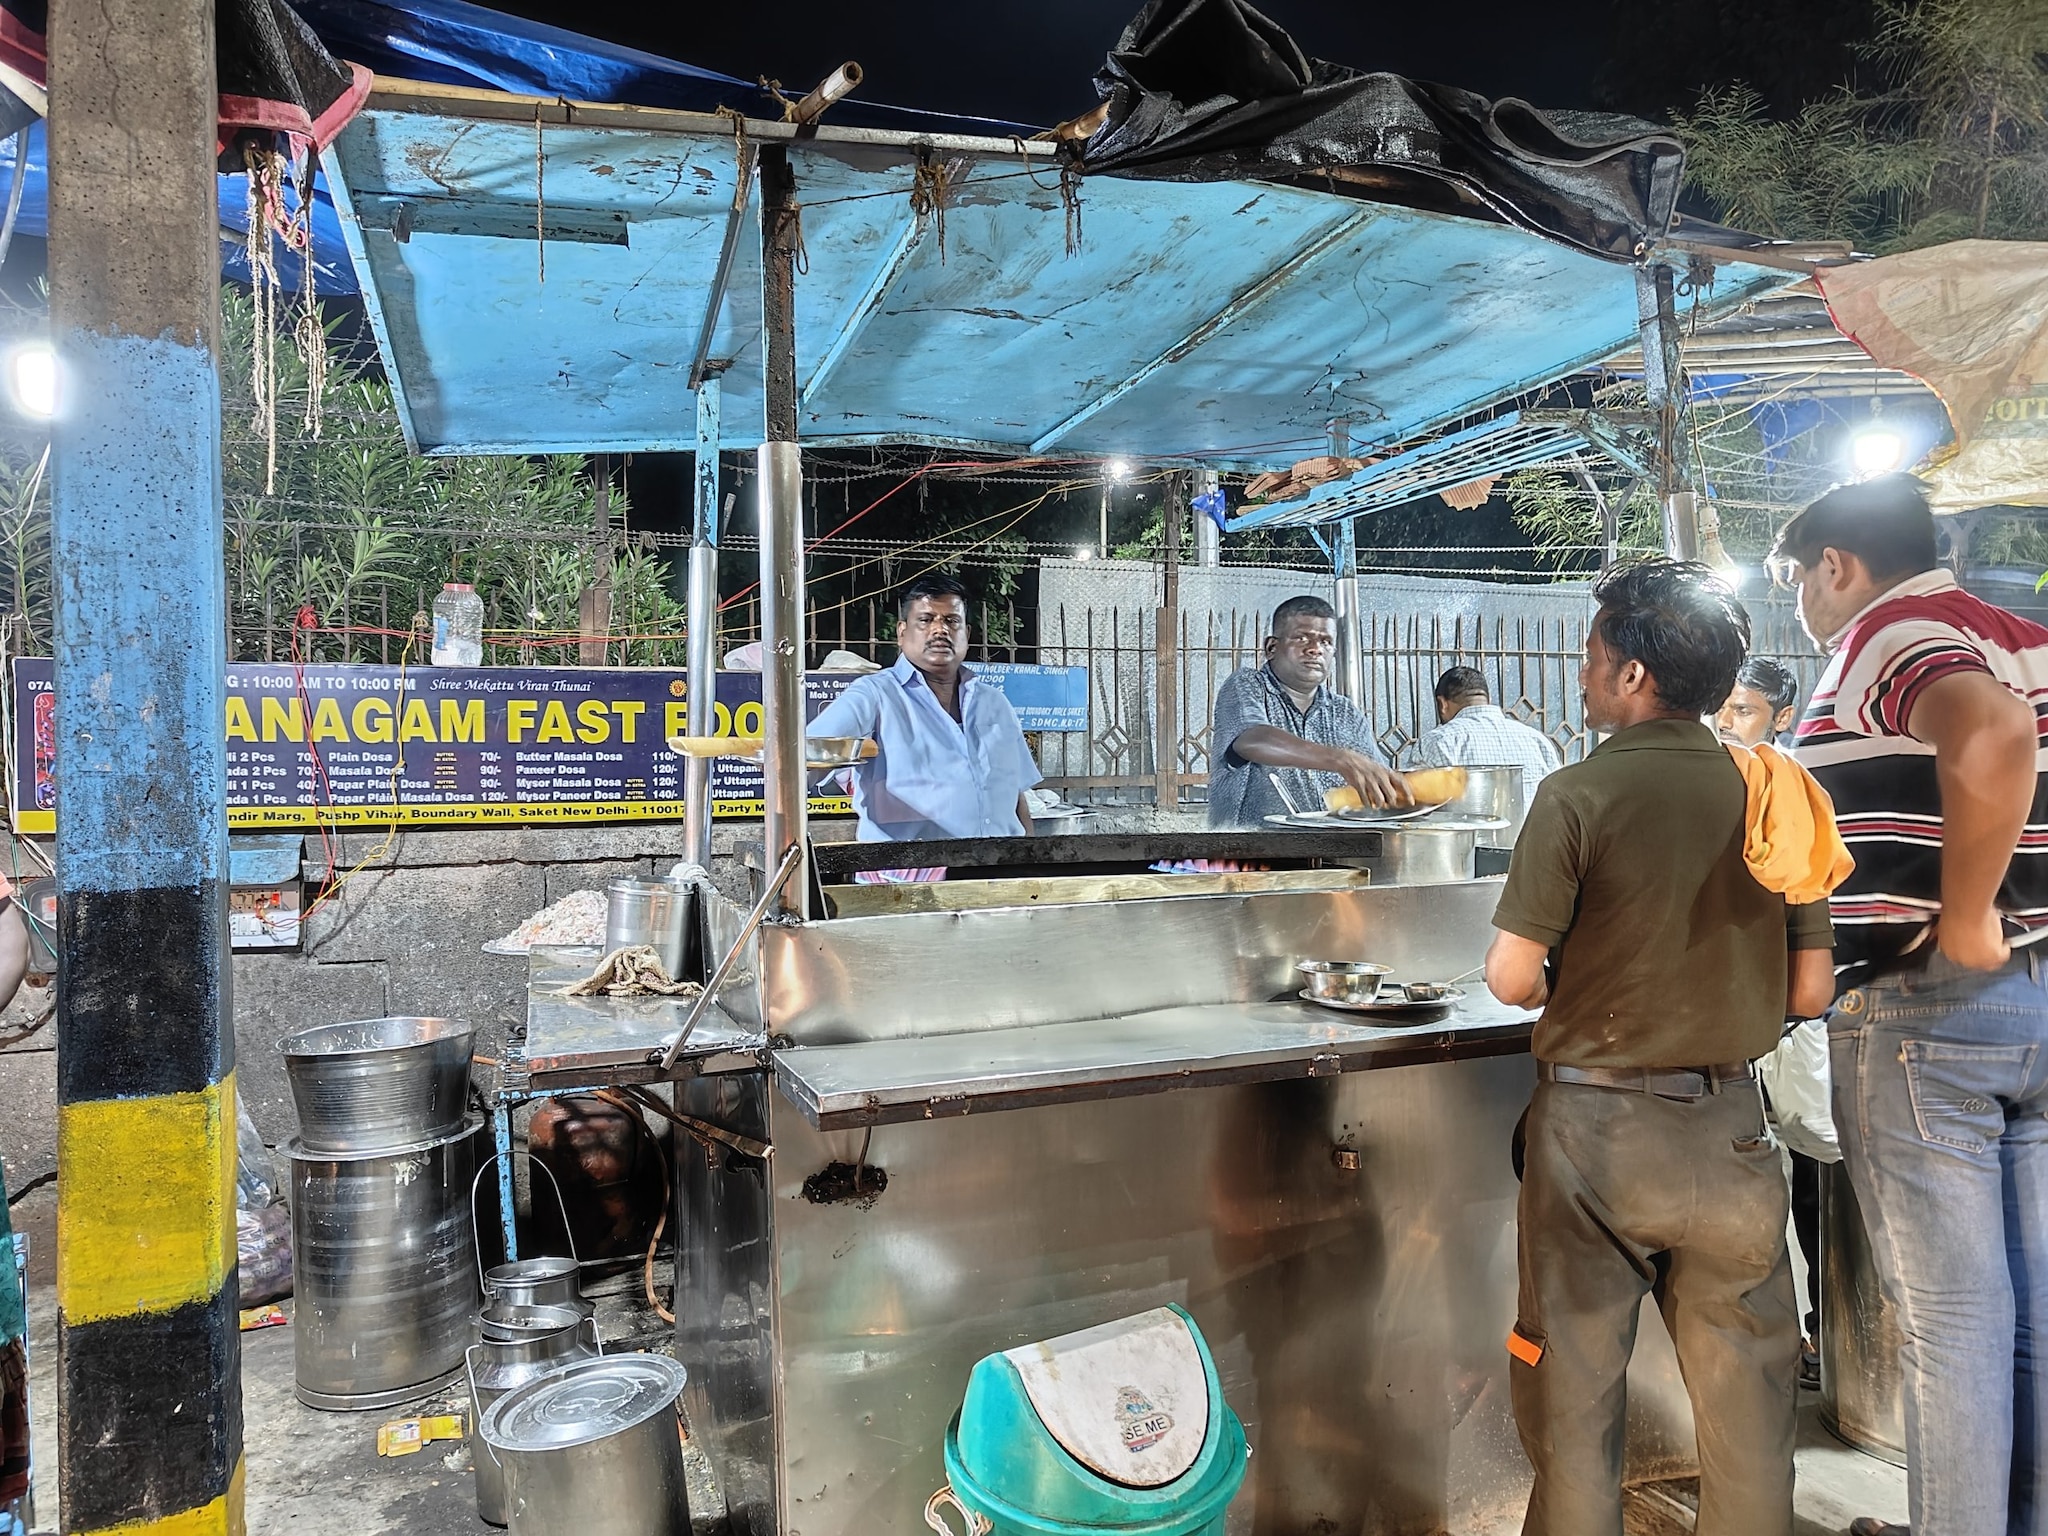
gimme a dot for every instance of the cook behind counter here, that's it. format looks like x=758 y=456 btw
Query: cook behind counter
x=933 y=776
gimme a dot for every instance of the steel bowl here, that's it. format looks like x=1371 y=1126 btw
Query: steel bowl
x=374 y=1084
x=1430 y=992
x=1343 y=981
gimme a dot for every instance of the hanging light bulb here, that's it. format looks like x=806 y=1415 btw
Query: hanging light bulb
x=1874 y=448
x=1876 y=451
x=32 y=379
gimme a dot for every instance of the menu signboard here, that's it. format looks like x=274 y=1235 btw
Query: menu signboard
x=339 y=745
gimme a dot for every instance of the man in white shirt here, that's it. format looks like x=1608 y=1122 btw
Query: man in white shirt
x=1477 y=733
x=953 y=761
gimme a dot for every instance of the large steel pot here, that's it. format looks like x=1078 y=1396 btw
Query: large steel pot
x=374 y=1084
x=594 y=1449
x=1417 y=853
x=385 y=1269
x=546 y=1339
x=1493 y=793
x=1862 y=1387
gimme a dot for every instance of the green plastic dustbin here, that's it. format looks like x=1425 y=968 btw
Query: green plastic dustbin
x=1118 y=1429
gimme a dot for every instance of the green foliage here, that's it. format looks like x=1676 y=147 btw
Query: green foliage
x=25 y=547
x=1953 y=142
x=1752 y=492
x=351 y=524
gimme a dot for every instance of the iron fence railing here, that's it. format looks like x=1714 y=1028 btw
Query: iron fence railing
x=1530 y=660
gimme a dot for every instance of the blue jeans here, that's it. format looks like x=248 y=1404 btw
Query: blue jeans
x=1941 y=1102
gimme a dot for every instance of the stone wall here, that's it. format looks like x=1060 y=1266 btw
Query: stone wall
x=403 y=936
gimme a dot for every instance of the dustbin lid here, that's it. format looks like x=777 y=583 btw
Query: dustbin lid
x=1128 y=1400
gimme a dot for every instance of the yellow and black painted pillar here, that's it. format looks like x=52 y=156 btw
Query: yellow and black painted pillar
x=149 y=1357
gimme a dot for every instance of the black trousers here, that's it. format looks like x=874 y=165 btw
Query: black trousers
x=1623 y=1195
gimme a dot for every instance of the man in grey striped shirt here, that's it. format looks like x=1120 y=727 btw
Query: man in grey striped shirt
x=1283 y=735
x=1477 y=733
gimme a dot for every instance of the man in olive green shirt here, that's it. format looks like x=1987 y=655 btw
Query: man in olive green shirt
x=1664 y=971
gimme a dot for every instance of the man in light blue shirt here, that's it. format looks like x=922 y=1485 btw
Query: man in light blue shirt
x=953 y=761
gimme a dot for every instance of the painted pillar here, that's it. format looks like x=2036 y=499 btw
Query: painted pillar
x=703 y=627
x=150 y=1434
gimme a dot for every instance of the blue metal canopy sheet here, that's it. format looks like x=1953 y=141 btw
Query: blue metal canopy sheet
x=1516 y=440
x=1224 y=323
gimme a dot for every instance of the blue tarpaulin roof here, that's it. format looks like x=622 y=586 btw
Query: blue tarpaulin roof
x=447 y=42
x=1228 y=323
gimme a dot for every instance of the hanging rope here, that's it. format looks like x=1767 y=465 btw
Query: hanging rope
x=930 y=191
x=743 y=178
x=265 y=211
x=773 y=88
x=310 y=335
x=1070 y=196
x=540 y=196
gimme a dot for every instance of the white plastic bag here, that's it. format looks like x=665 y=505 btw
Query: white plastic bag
x=1796 y=1077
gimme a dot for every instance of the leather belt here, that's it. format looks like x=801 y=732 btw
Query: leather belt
x=1682 y=1083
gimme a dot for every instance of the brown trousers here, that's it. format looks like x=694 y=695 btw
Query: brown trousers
x=1625 y=1194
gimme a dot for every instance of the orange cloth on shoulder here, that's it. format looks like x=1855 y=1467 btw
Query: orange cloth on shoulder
x=1790 y=840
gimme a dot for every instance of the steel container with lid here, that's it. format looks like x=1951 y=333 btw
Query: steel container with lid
x=650 y=912
x=594 y=1448
x=518 y=1350
x=384 y=1266
x=369 y=1085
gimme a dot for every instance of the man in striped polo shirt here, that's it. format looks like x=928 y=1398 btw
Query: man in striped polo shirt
x=1925 y=730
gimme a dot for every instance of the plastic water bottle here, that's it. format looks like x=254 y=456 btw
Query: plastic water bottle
x=458 y=626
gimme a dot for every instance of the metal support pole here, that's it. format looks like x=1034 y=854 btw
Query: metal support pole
x=150 y=1427
x=1657 y=323
x=782 y=549
x=1208 y=537
x=1350 y=630
x=594 y=602
x=1166 y=654
x=702 y=617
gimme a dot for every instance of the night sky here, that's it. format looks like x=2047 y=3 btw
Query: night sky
x=1034 y=62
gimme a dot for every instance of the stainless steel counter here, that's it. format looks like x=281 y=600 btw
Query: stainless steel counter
x=577 y=1041
x=881 y=1082
x=1086 y=1110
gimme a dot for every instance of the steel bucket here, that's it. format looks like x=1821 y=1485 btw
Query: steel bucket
x=546 y=1281
x=384 y=1263
x=546 y=1338
x=653 y=912
x=374 y=1084
x=1493 y=793
x=1862 y=1386
x=594 y=1448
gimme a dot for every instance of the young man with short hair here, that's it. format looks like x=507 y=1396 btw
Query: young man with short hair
x=1283 y=720
x=1475 y=732
x=1664 y=970
x=1925 y=730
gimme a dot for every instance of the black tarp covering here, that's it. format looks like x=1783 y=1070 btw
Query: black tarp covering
x=276 y=79
x=1211 y=90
